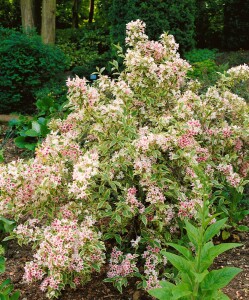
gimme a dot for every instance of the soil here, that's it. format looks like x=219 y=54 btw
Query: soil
x=96 y=289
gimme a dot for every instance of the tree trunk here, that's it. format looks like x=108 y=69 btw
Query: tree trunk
x=91 y=11
x=48 y=21
x=202 y=23
x=75 y=11
x=38 y=10
x=28 y=14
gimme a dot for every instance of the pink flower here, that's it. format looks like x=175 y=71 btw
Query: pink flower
x=185 y=141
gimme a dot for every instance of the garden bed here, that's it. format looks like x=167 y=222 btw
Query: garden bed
x=96 y=289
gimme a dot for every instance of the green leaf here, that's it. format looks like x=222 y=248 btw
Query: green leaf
x=119 y=286
x=199 y=277
x=20 y=142
x=108 y=279
x=243 y=228
x=178 y=262
x=193 y=233
x=8 y=225
x=225 y=234
x=30 y=146
x=118 y=218
x=214 y=229
x=161 y=293
x=2 y=264
x=143 y=219
x=5 y=283
x=31 y=133
x=36 y=127
x=166 y=284
x=222 y=296
x=181 y=290
x=210 y=252
x=113 y=186
x=1 y=156
x=108 y=236
x=217 y=250
x=118 y=239
x=8 y=289
x=217 y=279
x=183 y=250
x=96 y=267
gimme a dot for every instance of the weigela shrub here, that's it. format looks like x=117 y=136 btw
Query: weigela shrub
x=67 y=252
x=128 y=154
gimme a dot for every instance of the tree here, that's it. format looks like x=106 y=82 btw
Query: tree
x=91 y=11
x=236 y=24
x=48 y=21
x=177 y=17
x=38 y=7
x=75 y=13
x=10 y=13
x=28 y=14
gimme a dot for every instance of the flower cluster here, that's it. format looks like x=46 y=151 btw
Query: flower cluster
x=84 y=170
x=133 y=202
x=152 y=259
x=65 y=248
x=121 y=265
x=232 y=177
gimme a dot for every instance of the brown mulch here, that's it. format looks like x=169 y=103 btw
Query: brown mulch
x=96 y=289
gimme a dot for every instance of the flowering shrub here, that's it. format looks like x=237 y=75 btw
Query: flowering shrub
x=69 y=251
x=129 y=154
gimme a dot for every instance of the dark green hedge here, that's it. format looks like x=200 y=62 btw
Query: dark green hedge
x=26 y=65
x=177 y=17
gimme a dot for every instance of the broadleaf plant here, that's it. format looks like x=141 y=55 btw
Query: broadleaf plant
x=196 y=282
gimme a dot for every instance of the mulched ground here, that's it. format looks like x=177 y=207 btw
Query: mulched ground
x=96 y=289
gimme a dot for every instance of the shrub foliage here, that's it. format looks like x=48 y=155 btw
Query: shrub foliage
x=136 y=154
x=177 y=17
x=26 y=65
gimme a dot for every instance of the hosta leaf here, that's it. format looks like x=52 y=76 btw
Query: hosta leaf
x=36 y=127
x=20 y=142
x=30 y=146
x=32 y=133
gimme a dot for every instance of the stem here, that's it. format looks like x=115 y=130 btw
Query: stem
x=200 y=246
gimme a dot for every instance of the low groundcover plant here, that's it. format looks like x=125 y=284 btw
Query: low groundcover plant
x=129 y=156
